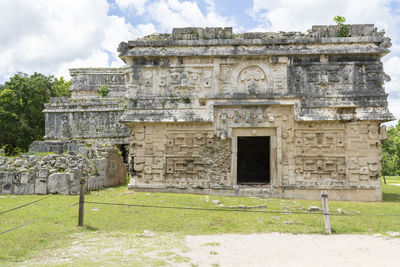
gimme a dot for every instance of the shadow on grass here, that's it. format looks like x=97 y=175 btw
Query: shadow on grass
x=91 y=228
x=391 y=197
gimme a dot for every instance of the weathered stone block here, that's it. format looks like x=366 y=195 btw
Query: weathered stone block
x=3 y=176
x=83 y=151
x=19 y=189
x=18 y=163
x=43 y=173
x=58 y=183
x=75 y=187
x=71 y=164
x=78 y=173
x=9 y=177
x=138 y=160
x=6 y=188
x=29 y=189
x=138 y=167
x=94 y=183
x=101 y=164
x=28 y=177
x=40 y=186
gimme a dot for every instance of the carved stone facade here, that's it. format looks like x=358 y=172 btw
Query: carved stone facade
x=186 y=104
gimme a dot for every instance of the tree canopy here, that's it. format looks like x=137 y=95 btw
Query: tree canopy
x=22 y=101
x=391 y=151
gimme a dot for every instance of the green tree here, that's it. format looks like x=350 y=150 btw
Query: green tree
x=22 y=101
x=343 y=29
x=391 y=151
x=61 y=87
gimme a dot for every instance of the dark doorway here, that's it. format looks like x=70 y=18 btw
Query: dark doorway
x=253 y=159
x=124 y=152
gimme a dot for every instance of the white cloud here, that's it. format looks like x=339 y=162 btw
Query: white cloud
x=96 y=58
x=294 y=15
x=51 y=36
x=119 y=30
x=394 y=108
x=391 y=67
x=53 y=32
x=174 y=13
x=135 y=5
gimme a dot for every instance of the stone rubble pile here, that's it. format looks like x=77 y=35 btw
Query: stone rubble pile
x=43 y=173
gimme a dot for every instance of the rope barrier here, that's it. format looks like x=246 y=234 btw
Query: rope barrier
x=208 y=209
x=237 y=210
x=180 y=208
x=35 y=201
x=27 y=204
x=35 y=220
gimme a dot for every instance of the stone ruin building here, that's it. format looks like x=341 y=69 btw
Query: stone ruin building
x=204 y=110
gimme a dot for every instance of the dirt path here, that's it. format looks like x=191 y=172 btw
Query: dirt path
x=276 y=249
x=272 y=249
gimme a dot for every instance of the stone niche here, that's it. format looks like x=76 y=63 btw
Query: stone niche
x=204 y=110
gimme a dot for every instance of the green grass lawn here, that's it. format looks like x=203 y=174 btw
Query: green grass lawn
x=392 y=179
x=56 y=230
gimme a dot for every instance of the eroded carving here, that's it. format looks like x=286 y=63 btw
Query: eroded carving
x=252 y=78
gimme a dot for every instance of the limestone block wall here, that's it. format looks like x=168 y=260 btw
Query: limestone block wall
x=86 y=82
x=95 y=120
x=179 y=155
x=55 y=173
x=337 y=155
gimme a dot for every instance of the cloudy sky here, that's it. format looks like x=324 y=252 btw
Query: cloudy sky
x=50 y=36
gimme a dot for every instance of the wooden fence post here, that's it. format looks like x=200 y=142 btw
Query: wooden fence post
x=384 y=179
x=81 y=202
x=325 y=207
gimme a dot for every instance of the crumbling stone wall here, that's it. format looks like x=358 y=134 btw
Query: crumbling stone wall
x=95 y=120
x=217 y=163
x=86 y=82
x=60 y=174
x=178 y=156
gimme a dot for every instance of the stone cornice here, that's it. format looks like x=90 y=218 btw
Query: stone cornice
x=235 y=42
x=321 y=39
x=262 y=49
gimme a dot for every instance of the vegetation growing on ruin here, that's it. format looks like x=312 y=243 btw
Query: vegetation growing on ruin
x=40 y=154
x=104 y=90
x=22 y=101
x=59 y=229
x=186 y=100
x=237 y=35
x=156 y=37
x=343 y=29
x=163 y=102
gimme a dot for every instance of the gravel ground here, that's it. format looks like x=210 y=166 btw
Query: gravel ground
x=276 y=249
x=271 y=249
